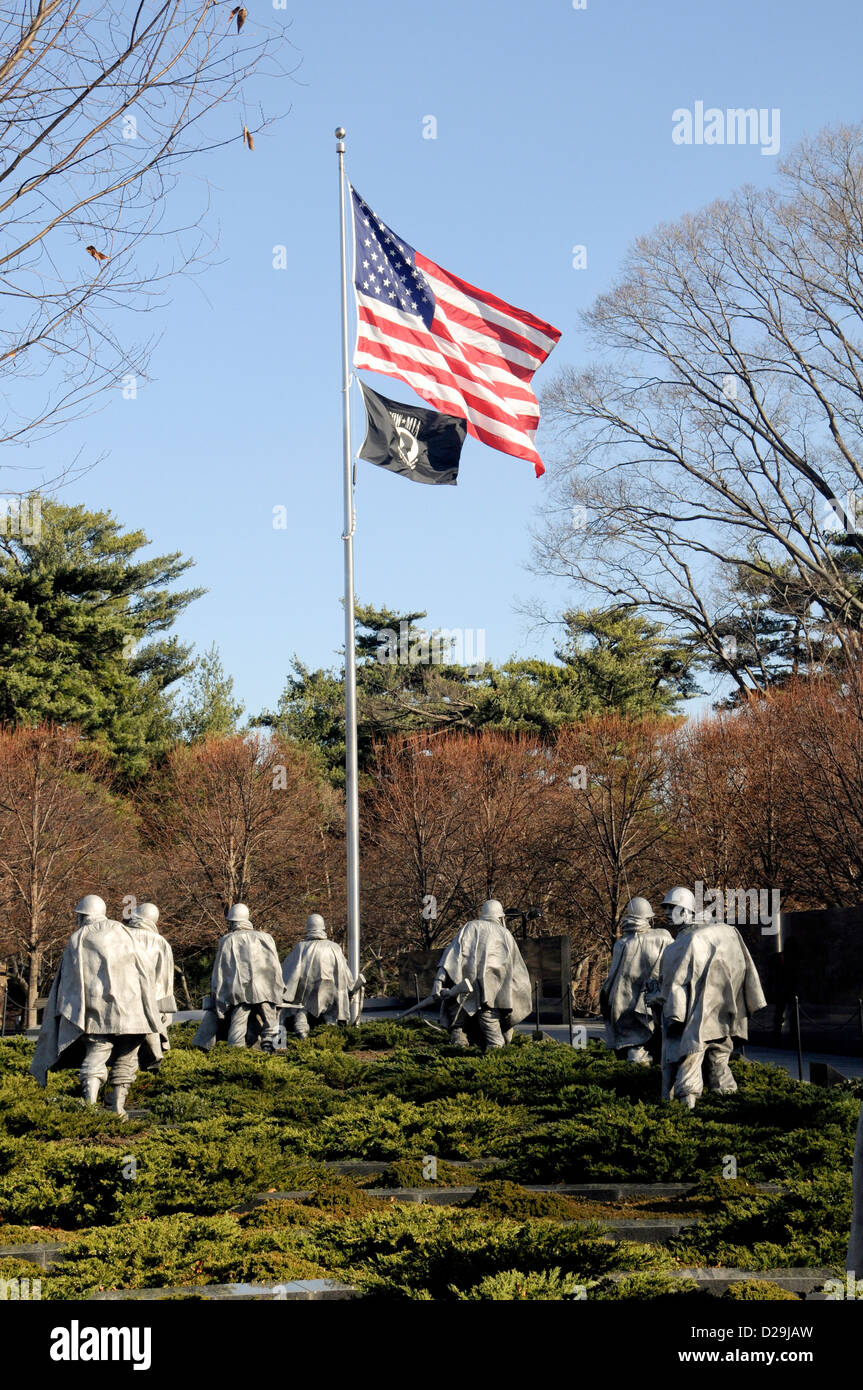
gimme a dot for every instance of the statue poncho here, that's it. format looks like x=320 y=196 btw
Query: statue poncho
x=487 y=954
x=632 y=979
x=710 y=985
x=113 y=980
x=317 y=977
x=246 y=970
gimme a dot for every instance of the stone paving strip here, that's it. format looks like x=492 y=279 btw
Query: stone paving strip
x=364 y=1167
x=47 y=1254
x=804 y=1282
x=451 y=1196
x=302 y=1290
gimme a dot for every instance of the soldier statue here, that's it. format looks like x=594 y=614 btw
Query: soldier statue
x=709 y=990
x=632 y=980
x=246 y=987
x=317 y=980
x=482 y=981
x=110 y=1002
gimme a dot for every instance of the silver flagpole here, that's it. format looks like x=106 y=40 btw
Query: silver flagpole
x=352 y=815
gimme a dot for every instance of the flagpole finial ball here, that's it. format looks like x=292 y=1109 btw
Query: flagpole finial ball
x=340 y=132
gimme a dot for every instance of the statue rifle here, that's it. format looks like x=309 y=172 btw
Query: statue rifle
x=464 y=988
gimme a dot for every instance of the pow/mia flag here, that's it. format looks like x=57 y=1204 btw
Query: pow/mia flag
x=420 y=444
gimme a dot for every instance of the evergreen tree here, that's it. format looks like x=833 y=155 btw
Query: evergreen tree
x=626 y=663
x=209 y=709
x=531 y=696
x=394 y=693
x=82 y=624
x=407 y=683
x=774 y=631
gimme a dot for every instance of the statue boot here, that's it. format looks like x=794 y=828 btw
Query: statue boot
x=90 y=1087
x=118 y=1100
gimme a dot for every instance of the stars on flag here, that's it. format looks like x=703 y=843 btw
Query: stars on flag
x=389 y=272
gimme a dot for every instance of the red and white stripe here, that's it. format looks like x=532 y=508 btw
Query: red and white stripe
x=475 y=361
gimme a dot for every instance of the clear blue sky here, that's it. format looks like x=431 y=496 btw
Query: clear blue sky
x=553 y=128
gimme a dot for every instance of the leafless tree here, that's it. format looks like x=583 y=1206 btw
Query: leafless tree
x=823 y=756
x=610 y=778
x=240 y=820
x=101 y=104
x=721 y=427
x=415 y=840
x=453 y=820
x=61 y=835
x=733 y=780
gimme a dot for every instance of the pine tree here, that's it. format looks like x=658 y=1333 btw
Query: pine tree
x=209 y=709
x=626 y=663
x=82 y=632
x=611 y=660
x=774 y=631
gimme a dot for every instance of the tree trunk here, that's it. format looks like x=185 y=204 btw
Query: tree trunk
x=34 y=965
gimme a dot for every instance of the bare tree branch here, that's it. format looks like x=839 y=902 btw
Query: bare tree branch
x=99 y=108
x=722 y=432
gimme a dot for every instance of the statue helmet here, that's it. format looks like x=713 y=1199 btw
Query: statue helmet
x=237 y=913
x=492 y=911
x=681 y=903
x=147 y=914
x=91 y=905
x=638 y=910
x=316 y=927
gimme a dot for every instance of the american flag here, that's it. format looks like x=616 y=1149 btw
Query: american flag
x=461 y=349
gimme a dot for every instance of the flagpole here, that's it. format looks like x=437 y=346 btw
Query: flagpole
x=352 y=817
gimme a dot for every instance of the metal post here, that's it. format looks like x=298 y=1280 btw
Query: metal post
x=417 y=987
x=860 y=1017
x=536 y=1005
x=5 y=1002
x=569 y=1011
x=798 y=1037
x=352 y=813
